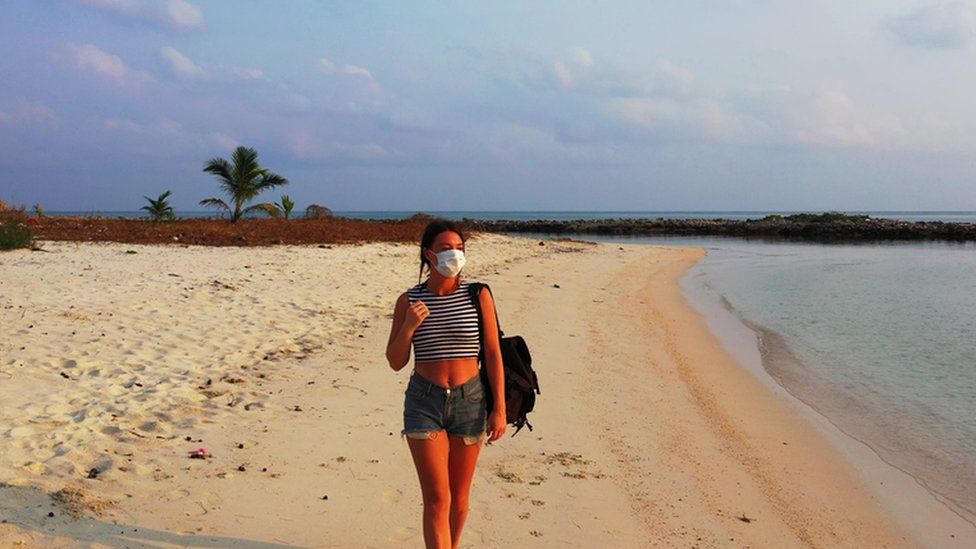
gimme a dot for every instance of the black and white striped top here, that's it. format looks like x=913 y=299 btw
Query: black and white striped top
x=451 y=328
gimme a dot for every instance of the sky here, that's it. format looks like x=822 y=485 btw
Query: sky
x=448 y=105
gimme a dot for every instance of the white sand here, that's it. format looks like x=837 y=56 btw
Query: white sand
x=647 y=432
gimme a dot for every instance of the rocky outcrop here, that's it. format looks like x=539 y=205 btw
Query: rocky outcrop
x=315 y=211
x=797 y=227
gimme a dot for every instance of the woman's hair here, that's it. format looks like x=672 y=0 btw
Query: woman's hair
x=434 y=228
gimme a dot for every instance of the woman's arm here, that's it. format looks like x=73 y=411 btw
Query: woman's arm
x=493 y=361
x=398 y=347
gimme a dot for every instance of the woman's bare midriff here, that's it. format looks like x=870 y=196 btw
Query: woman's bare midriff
x=449 y=372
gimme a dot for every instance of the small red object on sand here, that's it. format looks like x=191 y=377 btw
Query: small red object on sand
x=200 y=453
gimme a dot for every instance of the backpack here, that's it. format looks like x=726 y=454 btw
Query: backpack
x=521 y=383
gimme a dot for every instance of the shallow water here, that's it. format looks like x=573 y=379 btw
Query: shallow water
x=879 y=338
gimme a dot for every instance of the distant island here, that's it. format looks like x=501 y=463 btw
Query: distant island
x=19 y=230
x=828 y=226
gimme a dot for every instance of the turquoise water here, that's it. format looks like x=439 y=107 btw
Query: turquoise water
x=947 y=216
x=880 y=339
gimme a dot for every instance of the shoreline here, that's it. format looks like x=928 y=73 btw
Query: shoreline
x=647 y=431
x=920 y=509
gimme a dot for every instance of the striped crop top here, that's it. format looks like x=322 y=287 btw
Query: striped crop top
x=451 y=328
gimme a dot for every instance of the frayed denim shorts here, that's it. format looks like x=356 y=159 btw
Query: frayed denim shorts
x=429 y=408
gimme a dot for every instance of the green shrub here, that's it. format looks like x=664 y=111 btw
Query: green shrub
x=14 y=231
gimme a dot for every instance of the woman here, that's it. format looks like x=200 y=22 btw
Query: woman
x=445 y=418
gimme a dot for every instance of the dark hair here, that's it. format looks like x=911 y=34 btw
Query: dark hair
x=434 y=228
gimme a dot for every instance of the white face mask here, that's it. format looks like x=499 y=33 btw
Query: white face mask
x=450 y=262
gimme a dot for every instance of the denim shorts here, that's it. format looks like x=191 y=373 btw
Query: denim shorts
x=429 y=408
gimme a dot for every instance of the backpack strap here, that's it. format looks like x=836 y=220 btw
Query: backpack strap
x=475 y=291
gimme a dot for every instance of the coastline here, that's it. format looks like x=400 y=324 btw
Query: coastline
x=647 y=431
x=932 y=521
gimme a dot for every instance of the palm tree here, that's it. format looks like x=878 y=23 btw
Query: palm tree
x=285 y=206
x=159 y=209
x=243 y=182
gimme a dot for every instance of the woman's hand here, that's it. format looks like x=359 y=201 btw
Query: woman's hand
x=496 y=424
x=416 y=313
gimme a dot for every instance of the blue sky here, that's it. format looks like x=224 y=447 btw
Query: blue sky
x=690 y=105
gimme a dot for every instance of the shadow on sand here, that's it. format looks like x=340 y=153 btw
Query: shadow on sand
x=27 y=508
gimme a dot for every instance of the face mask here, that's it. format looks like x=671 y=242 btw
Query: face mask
x=450 y=262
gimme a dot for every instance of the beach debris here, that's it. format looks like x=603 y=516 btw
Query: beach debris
x=200 y=453
x=744 y=518
x=217 y=283
x=542 y=243
x=65 y=376
x=241 y=468
x=555 y=285
x=50 y=513
x=297 y=408
x=240 y=445
x=131 y=252
x=93 y=473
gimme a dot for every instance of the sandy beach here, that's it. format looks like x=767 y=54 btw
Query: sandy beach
x=119 y=359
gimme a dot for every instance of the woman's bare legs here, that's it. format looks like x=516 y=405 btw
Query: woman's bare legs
x=445 y=466
x=430 y=456
x=461 y=464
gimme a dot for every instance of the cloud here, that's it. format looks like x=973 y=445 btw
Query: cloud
x=248 y=74
x=830 y=117
x=569 y=69
x=24 y=110
x=833 y=119
x=326 y=66
x=945 y=25
x=224 y=140
x=356 y=70
x=306 y=146
x=177 y=15
x=88 y=57
x=164 y=135
x=184 y=15
x=180 y=65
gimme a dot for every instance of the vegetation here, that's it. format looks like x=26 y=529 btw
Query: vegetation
x=243 y=181
x=14 y=230
x=826 y=217
x=285 y=206
x=159 y=209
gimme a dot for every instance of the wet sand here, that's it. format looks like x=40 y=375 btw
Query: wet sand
x=115 y=365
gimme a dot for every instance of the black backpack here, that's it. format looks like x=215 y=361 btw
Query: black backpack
x=521 y=383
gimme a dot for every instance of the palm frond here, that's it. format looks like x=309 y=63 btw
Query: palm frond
x=215 y=202
x=271 y=209
x=271 y=180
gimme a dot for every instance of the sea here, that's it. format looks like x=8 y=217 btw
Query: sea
x=879 y=338
x=521 y=215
